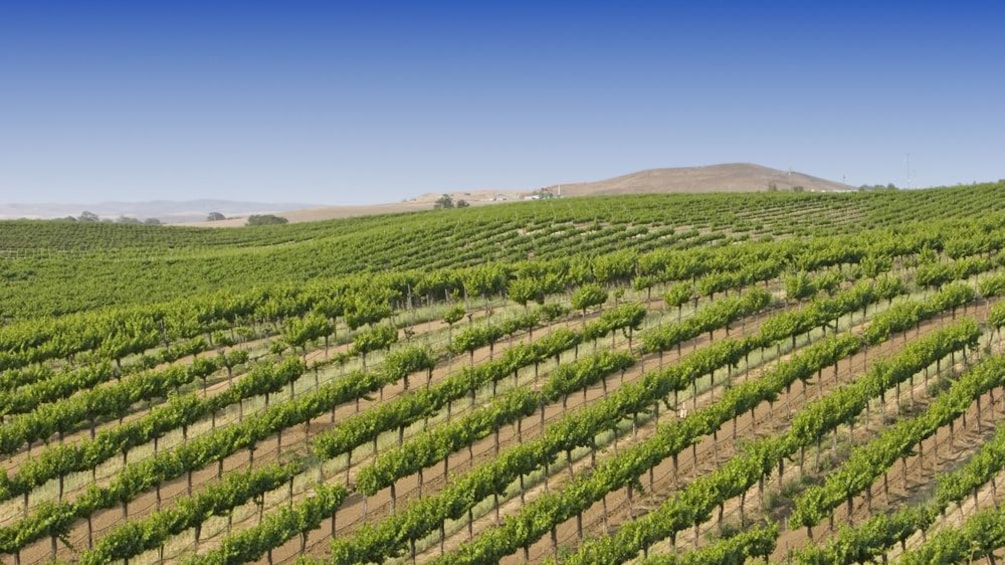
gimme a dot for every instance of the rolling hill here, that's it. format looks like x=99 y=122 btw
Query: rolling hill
x=734 y=177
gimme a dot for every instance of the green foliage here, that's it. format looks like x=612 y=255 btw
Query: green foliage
x=873 y=459
x=454 y=315
x=251 y=544
x=756 y=542
x=265 y=220
x=444 y=202
x=129 y=264
x=553 y=311
x=363 y=311
x=992 y=286
x=588 y=296
x=996 y=316
x=374 y=542
x=476 y=337
x=875 y=265
x=374 y=339
x=714 y=316
x=678 y=294
x=907 y=314
x=980 y=536
x=301 y=331
x=525 y=290
x=216 y=499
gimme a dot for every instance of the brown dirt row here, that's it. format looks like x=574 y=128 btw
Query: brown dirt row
x=654 y=301
x=375 y=507
x=167 y=494
x=642 y=432
x=908 y=480
x=233 y=414
x=955 y=515
x=527 y=429
x=217 y=384
x=914 y=471
x=293 y=440
x=707 y=460
x=355 y=511
x=875 y=420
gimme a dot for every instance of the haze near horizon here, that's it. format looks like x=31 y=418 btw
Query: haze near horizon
x=333 y=104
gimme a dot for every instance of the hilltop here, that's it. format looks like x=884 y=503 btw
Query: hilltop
x=731 y=177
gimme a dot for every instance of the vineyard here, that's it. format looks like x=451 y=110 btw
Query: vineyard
x=655 y=379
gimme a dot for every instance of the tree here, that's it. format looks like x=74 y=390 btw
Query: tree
x=443 y=202
x=152 y=222
x=265 y=220
x=215 y=217
x=87 y=216
x=463 y=204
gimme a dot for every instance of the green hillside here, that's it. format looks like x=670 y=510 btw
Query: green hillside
x=60 y=267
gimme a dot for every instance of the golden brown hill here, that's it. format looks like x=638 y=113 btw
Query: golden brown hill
x=734 y=177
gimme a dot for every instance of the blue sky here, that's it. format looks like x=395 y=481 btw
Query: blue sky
x=356 y=102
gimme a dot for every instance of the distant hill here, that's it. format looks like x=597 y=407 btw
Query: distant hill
x=164 y=210
x=733 y=177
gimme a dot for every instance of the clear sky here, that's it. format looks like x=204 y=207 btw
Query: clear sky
x=343 y=102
